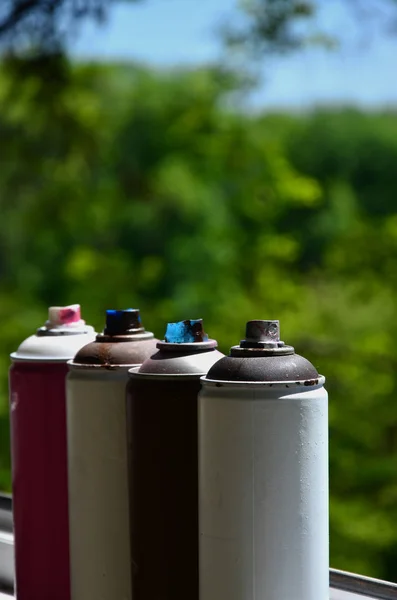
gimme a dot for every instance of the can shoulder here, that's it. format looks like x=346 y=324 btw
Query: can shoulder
x=53 y=348
x=110 y=353
x=288 y=367
x=166 y=364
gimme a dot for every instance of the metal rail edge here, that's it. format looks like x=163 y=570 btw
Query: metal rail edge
x=361 y=585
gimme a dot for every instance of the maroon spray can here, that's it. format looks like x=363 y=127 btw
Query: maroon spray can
x=39 y=454
x=163 y=472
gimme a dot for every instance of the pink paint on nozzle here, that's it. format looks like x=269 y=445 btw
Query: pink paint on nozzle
x=61 y=316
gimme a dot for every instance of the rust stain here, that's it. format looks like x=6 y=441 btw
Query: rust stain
x=311 y=382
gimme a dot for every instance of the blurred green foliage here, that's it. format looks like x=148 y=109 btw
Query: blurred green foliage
x=121 y=186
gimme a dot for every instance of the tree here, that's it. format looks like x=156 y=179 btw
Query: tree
x=125 y=186
x=43 y=24
x=267 y=26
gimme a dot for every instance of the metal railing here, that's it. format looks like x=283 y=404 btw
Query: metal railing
x=362 y=586
x=6 y=545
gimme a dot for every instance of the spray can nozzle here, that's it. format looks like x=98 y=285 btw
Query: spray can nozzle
x=185 y=332
x=262 y=334
x=61 y=317
x=262 y=337
x=123 y=322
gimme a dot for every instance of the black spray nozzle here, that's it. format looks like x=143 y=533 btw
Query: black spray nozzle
x=261 y=334
x=123 y=322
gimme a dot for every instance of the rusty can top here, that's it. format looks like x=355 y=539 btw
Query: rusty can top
x=263 y=357
x=124 y=343
x=186 y=351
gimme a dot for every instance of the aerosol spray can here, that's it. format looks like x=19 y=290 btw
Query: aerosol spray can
x=162 y=436
x=263 y=474
x=39 y=457
x=97 y=457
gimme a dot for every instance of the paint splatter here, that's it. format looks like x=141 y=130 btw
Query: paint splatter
x=69 y=314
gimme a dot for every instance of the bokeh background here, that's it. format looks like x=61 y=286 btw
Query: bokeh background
x=230 y=162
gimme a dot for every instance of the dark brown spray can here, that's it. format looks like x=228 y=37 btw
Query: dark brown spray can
x=162 y=457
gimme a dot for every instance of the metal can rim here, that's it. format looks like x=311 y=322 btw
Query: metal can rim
x=15 y=357
x=194 y=347
x=299 y=384
x=133 y=373
x=102 y=367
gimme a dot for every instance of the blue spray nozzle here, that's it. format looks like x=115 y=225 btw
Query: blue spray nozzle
x=119 y=322
x=185 y=332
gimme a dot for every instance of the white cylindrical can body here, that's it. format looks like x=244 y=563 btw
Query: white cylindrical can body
x=263 y=491
x=98 y=485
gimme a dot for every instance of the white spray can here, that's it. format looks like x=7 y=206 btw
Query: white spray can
x=100 y=559
x=263 y=474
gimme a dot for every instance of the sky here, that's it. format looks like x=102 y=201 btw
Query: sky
x=362 y=71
